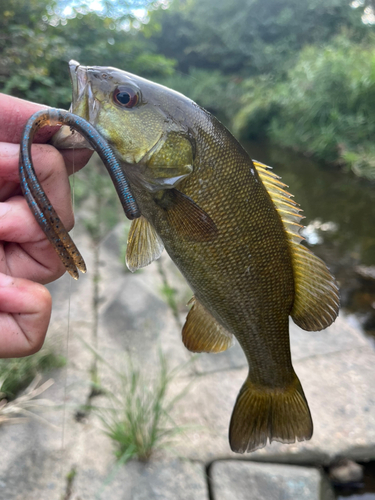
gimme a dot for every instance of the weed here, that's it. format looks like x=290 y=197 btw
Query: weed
x=22 y=407
x=139 y=420
x=17 y=373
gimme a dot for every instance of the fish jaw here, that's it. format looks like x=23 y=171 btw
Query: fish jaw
x=83 y=104
x=131 y=132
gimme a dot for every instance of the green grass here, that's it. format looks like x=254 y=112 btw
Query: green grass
x=17 y=373
x=138 y=419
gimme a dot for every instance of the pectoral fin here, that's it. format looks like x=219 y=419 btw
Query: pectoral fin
x=202 y=333
x=316 y=303
x=144 y=244
x=186 y=217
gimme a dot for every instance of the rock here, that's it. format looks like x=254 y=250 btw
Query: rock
x=98 y=476
x=367 y=272
x=27 y=469
x=336 y=368
x=134 y=317
x=178 y=479
x=239 y=480
x=339 y=336
x=346 y=471
x=338 y=387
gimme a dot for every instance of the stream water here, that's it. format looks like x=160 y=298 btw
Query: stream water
x=340 y=224
x=340 y=228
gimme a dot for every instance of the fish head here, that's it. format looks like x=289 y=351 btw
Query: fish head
x=133 y=114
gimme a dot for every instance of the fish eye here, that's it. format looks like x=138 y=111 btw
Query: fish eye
x=126 y=97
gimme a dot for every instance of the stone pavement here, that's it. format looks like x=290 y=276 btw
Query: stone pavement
x=73 y=460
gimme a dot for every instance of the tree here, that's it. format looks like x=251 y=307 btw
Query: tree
x=37 y=41
x=249 y=36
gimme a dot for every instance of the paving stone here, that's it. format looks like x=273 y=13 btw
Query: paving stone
x=340 y=336
x=99 y=477
x=134 y=317
x=238 y=480
x=336 y=368
x=27 y=470
x=339 y=389
x=178 y=479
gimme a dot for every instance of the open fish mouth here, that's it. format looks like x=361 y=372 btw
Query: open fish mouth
x=83 y=104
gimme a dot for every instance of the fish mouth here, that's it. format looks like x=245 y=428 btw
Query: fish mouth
x=83 y=104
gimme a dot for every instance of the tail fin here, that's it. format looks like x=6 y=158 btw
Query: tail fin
x=262 y=412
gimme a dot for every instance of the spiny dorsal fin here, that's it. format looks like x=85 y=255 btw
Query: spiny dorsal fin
x=144 y=244
x=202 y=333
x=288 y=209
x=316 y=302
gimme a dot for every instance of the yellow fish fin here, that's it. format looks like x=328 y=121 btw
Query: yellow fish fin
x=186 y=217
x=144 y=244
x=202 y=333
x=262 y=413
x=288 y=209
x=316 y=302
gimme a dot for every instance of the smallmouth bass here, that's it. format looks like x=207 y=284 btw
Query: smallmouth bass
x=230 y=227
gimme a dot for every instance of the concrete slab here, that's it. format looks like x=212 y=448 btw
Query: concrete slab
x=237 y=480
x=338 y=387
x=180 y=479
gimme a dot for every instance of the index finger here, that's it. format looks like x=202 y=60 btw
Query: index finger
x=14 y=114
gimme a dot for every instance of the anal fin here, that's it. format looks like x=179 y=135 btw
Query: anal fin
x=144 y=244
x=202 y=333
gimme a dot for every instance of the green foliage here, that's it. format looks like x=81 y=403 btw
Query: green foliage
x=276 y=68
x=258 y=107
x=139 y=420
x=212 y=90
x=249 y=36
x=17 y=373
x=29 y=47
x=36 y=42
x=326 y=106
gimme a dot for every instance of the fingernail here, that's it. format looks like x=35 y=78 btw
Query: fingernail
x=8 y=149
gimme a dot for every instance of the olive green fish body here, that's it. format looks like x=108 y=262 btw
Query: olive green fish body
x=233 y=231
x=244 y=276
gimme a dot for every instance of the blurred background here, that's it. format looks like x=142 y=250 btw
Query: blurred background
x=295 y=83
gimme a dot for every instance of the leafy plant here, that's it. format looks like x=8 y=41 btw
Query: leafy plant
x=323 y=107
x=139 y=420
x=17 y=373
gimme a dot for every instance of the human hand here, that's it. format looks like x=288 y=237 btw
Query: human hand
x=27 y=259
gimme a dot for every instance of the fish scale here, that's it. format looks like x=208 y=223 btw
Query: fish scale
x=232 y=214
x=230 y=226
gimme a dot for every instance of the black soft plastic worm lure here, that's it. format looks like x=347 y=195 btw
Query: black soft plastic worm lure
x=36 y=198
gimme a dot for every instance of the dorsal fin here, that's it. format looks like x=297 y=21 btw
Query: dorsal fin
x=316 y=302
x=201 y=331
x=144 y=244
